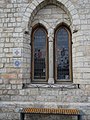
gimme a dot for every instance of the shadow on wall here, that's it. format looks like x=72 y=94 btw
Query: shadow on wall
x=49 y=117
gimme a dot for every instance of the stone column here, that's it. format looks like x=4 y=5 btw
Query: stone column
x=30 y=51
x=50 y=40
x=27 y=68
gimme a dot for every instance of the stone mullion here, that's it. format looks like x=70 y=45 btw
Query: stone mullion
x=51 y=65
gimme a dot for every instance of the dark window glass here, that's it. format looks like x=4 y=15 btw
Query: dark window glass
x=39 y=54
x=62 y=54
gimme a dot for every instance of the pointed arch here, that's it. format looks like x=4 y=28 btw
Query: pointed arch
x=36 y=5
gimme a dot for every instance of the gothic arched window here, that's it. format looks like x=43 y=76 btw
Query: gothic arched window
x=39 y=51
x=62 y=58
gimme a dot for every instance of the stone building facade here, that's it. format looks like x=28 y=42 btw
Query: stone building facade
x=17 y=20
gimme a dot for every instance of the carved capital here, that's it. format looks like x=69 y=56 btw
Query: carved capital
x=50 y=39
x=50 y=32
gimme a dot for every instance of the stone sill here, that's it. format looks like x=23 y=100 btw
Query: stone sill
x=61 y=86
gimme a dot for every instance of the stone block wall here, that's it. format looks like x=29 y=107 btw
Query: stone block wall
x=17 y=17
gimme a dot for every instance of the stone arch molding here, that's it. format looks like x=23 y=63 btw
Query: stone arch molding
x=33 y=7
x=42 y=22
x=36 y=5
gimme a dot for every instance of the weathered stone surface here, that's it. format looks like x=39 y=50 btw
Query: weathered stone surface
x=18 y=17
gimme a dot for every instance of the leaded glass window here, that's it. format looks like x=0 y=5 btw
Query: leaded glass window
x=39 y=58
x=62 y=55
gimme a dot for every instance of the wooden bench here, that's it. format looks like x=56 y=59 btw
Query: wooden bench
x=60 y=111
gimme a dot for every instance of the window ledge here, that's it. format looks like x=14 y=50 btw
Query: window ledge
x=62 y=86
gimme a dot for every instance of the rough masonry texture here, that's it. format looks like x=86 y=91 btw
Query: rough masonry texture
x=17 y=18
